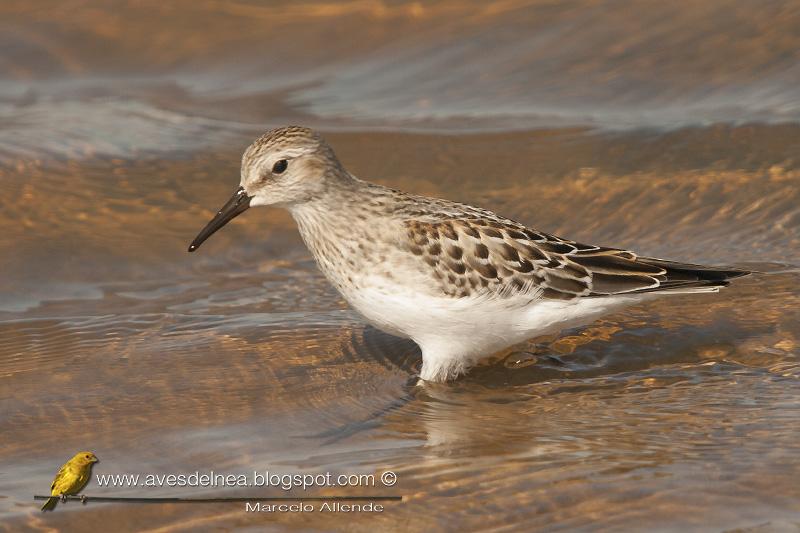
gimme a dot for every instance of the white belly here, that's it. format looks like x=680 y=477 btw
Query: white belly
x=455 y=332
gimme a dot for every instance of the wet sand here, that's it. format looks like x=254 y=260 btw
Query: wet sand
x=683 y=413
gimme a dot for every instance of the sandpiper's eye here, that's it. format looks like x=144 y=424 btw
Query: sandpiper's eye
x=279 y=166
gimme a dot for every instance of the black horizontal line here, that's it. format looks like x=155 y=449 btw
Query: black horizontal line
x=221 y=500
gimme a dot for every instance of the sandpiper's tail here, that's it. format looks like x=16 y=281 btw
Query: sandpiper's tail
x=50 y=504
x=621 y=272
x=686 y=277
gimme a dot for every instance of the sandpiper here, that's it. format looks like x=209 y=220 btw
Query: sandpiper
x=461 y=281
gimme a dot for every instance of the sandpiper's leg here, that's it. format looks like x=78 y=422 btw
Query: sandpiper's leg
x=63 y=498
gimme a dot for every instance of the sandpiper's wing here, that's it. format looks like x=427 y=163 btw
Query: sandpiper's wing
x=488 y=255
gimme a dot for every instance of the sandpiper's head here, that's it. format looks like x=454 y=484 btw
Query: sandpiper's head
x=284 y=167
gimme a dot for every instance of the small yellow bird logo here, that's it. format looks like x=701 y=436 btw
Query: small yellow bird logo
x=71 y=478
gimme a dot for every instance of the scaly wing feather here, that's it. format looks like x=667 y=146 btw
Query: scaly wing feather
x=491 y=256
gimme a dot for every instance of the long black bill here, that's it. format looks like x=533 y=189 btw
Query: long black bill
x=237 y=204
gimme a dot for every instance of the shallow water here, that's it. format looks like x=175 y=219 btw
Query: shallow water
x=116 y=145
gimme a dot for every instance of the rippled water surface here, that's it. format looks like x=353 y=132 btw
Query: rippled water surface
x=672 y=130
